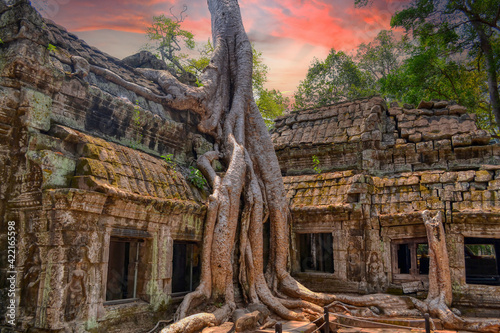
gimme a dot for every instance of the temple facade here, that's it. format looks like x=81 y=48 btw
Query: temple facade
x=359 y=175
x=95 y=185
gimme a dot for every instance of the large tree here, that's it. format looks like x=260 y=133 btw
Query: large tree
x=338 y=78
x=470 y=26
x=250 y=193
x=271 y=102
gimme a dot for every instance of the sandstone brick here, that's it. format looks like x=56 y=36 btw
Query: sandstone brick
x=424 y=146
x=430 y=178
x=461 y=140
x=466 y=176
x=457 y=109
x=442 y=144
x=483 y=176
x=449 y=177
x=415 y=137
x=480 y=137
x=440 y=104
x=425 y=105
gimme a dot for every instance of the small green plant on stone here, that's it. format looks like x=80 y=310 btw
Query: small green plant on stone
x=137 y=122
x=196 y=177
x=1 y=41
x=51 y=48
x=316 y=164
x=169 y=158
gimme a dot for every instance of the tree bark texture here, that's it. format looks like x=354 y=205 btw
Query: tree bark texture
x=491 y=70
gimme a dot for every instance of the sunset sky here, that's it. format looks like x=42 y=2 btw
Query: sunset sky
x=290 y=33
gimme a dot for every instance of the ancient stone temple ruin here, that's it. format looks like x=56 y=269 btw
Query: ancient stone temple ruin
x=95 y=178
x=357 y=226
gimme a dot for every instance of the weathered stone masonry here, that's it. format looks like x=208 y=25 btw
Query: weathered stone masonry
x=82 y=175
x=381 y=167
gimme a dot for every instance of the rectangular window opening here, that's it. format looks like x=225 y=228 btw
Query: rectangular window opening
x=482 y=261
x=186 y=268
x=123 y=265
x=316 y=252
x=410 y=258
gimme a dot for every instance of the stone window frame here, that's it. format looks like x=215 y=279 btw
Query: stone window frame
x=497 y=255
x=143 y=238
x=135 y=260
x=183 y=241
x=457 y=256
x=413 y=275
x=339 y=254
x=299 y=246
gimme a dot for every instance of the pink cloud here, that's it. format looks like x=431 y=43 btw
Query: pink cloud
x=290 y=33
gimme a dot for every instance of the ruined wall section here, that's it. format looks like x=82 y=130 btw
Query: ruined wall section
x=336 y=134
x=366 y=135
x=392 y=164
x=80 y=163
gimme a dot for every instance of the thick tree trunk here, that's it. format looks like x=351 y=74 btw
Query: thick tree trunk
x=491 y=70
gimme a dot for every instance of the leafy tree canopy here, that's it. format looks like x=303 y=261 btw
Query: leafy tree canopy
x=168 y=39
x=463 y=34
x=337 y=78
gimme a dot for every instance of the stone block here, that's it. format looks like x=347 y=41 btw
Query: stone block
x=394 y=111
x=415 y=137
x=457 y=109
x=430 y=157
x=421 y=122
x=441 y=112
x=428 y=178
x=461 y=140
x=38 y=108
x=449 y=177
x=424 y=146
x=480 y=137
x=483 y=176
x=494 y=184
x=466 y=176
x=440 y=104
x=425 y=105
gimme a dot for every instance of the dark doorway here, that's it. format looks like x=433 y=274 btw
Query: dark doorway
x=122 y=269
x=186 y=267
x=482 y=261
x=316 y=252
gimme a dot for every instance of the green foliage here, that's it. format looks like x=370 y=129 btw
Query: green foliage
x=169 y=158
x=197 y=65
x=196 y=178
x=137 y=123
x=336 y=79
x=1 y=41
x=271 y=102
x=381 y=56
x=168 y=39
x=316 y=164
x=51 y=47
x=455 y=42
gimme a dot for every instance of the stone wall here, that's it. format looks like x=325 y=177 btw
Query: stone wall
x=81 y=164
x=392 y=164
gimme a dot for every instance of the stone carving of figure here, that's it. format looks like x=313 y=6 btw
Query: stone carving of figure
x=76 y=294
x=31 y=283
